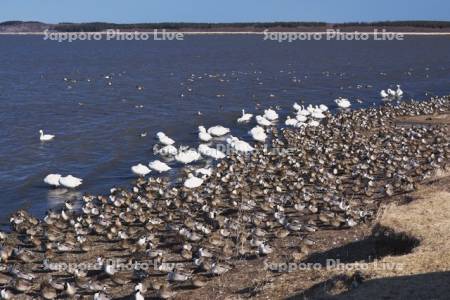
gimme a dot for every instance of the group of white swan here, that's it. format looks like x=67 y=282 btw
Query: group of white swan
x=305 y=116
x=389 y=94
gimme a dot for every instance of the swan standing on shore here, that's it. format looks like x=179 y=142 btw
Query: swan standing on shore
x=258 y=134
x=45 y=137
x=203 y=135
x=193 y=182
x=52 y=179
x=218 y=131
x=140 y=170
x=70 y=181
x=164 y=139
x=343 y=103
x=159 y=166
x=245 y=117
x=210 y=152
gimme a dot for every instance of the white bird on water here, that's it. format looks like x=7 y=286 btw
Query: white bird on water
x=301 y=118
x=290 y=122
x=399 y=91
x=270 y=115
x=263 y=121
x=258 y=134
x=303 y=111
x=239 y=146
x=168 y=150
x=159 y=166
x=210 y=152
x=245 y=117
x=218 y=130
x=52 y=179
x=383 y=94
x=193 y=182
x=203 y=135
x=343 y=103
x=45 y=137
x=140 y=170
x=164 y=139
x=391 y=93
x=187 y=156
x=70 y=181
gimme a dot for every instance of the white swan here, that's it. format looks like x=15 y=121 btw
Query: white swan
x=296 y=106
x=399 y=91
x=301 y=118
x=52 y=179
x=318 y=114
x=140 y=170
x=245 y=117
x=193 y=182
x=159 y=166
x=70 y=181
x=323 y=107
x=263 y=121
x=303 y=111
x=391 y=93
x=239 y=146
x=258 y=134
x=218 y=130
x=383 y=94
x=45 y=137
x=164 y=139
x=187 y=156
x=204 y=171
x=290 y=122
x=313 y=123
x=203 y=135
x=270 y=115
x=210 y=152
x=343 y=103
x=168 y=150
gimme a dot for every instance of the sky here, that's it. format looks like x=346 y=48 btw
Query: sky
x=134 y=11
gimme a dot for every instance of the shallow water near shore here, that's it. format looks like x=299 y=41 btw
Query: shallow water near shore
x=98 y=126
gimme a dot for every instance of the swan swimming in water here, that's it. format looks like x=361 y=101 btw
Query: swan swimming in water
x=164 y=139
x=159 y=166
x=193 y=182
x=140 y=170
x=270 y=115
x=203 y=135
x=70 y=181
x=168 y=150
x=343 y=103
x=296 y=106
x=210 y=152
x=245 y=117
x=301 y=118
x=383 y=94
x=391 y=93
x=323 y=107
x=53 y=179
x=399 y=91
x=303 y=111
x=187 y=156
x=290 y=122
x=258 y=134
x=263 y=121
x=206 y=172
x=45 y=137
x=239 y=146
x=218 y=131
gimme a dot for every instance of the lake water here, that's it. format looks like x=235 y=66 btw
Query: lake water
x=98 y=126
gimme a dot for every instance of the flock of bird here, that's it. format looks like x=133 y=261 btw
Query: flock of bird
x=329 y=171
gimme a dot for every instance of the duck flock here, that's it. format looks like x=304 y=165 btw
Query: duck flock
x=322 y=171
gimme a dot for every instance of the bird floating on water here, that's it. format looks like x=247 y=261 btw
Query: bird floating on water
x=245 y=117
x=52 y=179
x=187 y=156
x=164 y=139
x=239 y=145
x=203 y=135
x=193 y=182
x=270 y=115
x=140 y=170
x=159 y=166
x=262 y=121
x=258 y=134
x=210 y=152
x=218 y=130
x=45 y=137
x=70 y=181
x=343 y=102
